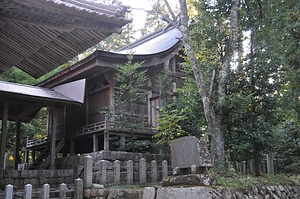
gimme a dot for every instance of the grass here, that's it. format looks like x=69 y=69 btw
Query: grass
x=133 y=186
x=251 y=181
x=236 y=181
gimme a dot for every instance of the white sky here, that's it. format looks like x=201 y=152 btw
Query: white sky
x=140 y=15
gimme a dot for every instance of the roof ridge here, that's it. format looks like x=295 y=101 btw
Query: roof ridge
x=146 y=38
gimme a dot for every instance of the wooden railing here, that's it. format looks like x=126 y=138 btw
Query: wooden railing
x=112 y=125
x=91 y=128
x=36 y=142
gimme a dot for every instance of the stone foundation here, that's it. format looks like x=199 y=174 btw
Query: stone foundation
x=263 y=192
x=37 y=178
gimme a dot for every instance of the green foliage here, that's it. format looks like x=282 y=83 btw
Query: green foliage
x=152 y=21
x=32 y=130
x=16 y=75
x=287 y=148
x=169 y=124
x=129 y=95
x=250 y=181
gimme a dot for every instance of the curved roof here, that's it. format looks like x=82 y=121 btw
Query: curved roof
x=40 y=35
x=154 y=43
x=152 y=50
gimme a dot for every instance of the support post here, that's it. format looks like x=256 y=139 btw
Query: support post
x=53 y=139
x=270 y=164
x=106 y=141
x=3 y=135
x=95 y=143
x=17 y=146
x=72 y=147
x=244 y=172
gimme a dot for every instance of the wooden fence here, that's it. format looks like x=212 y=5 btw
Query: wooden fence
x=45 y=193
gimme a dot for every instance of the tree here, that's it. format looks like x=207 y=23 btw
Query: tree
x=129 y=94
x=153 y=21
x=213 y=85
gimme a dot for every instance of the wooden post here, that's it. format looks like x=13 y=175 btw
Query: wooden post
x=270 y=164
x=3 y=135
x=106 y=140
x=244 y=171
x=95 y=143
x=142 y=171
x=72 y=147
x=53 y=139
x=17 y=146
x=117 y=171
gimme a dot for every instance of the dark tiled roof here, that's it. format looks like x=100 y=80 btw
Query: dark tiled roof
x=154 y=43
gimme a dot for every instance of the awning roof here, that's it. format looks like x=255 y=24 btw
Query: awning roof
x=24 y=101
x=39 y=35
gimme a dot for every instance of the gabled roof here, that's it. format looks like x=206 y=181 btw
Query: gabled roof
x=152 y=50
x=40 y=35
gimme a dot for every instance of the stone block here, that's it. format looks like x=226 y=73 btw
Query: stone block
x=191 y=179
x=184 y=193
x=149 y=193
x=188 y=151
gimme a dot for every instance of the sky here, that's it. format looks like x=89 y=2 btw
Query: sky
x=138 y=14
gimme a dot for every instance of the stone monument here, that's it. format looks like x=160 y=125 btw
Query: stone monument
x=190 y=161
x=188 y=153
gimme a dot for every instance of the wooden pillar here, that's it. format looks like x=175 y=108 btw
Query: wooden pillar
x=72 y=145
x=106 y=140
x=33 y=155
x=3 y=135
x=53 y=140
x=150 y=94
x=17 y=146
x=65 y=152
x=95 y=143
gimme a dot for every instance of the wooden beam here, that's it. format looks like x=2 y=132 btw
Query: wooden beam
x=3 y=135
x=17 y=146
x=30 y=109
x=53 y=139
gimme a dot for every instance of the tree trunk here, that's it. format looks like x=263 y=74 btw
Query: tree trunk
x=213 y=122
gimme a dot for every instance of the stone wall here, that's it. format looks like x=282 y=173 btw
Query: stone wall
x=37 y=178
x=263 y=192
